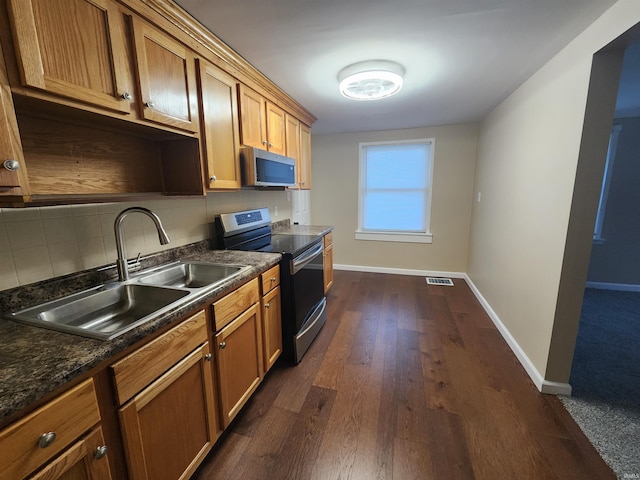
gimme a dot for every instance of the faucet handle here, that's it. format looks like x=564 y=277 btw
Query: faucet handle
x=135 y=264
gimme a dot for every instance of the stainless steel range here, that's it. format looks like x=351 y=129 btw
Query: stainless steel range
x=301 y=273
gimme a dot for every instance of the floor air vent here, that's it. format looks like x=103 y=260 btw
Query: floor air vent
x=439 y=281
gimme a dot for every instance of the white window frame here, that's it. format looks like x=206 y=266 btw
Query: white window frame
x=606 y=183
x=395 y=236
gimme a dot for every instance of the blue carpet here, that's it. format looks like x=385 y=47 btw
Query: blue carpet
x=606 y=362
x=605 y=378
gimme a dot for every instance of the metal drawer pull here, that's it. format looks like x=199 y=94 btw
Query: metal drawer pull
x=11 y=165
x=223 y=344
x=208 y=357
x=100 y=452
x=267 y=305
x=150 y=105
x=46 y=439
x=126 y=96
x=273 y=279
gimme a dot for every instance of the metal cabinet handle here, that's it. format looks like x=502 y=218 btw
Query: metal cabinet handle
x=150 y=104
x=223 y=345
x=213 y=178
x=273 y=279
x=100 y=452
x=11 y=165
x=46 y=439
x=270 y=144
x=264 y=142
x=126 y=95
x=208 y=357
x=267 y=305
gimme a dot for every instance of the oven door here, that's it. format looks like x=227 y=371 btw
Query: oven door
x=307 y=284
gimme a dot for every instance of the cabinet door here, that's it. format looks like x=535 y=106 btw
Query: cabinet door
x=239 y=358
x=219 y=113
x=253 y=129
x=276 y=130
x=166 y=76
x=12 y=181
x=304 y=170
x=328 y=261
x=72 y=48
x=292 y=135
x=85 y=460
x=271 y=327
x=170 y=426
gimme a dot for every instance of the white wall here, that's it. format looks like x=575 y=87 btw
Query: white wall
x=334 y=199
x=527 y=162
x=44 y=242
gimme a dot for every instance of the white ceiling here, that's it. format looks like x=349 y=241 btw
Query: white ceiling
x=462 y=57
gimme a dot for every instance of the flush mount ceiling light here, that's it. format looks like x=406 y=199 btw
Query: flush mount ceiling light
x=371 y=80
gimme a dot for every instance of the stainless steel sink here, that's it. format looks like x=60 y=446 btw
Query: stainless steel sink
x=192 y=275
x=103 y=312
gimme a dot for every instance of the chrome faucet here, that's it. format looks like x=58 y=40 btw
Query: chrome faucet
x=121 y=263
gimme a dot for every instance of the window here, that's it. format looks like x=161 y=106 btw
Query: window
x=395 y=191
x=606 y=183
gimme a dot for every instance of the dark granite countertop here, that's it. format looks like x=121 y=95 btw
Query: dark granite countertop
x=290 y=229
x=34 y=362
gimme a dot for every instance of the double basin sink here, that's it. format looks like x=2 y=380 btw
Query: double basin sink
x=110 y=310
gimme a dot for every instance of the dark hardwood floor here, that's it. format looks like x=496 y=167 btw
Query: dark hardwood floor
x=406 y=381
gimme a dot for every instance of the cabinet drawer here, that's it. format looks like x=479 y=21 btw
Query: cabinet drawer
x=136 y=371
x=232 y=305
x=68 y=417
x=270 y=279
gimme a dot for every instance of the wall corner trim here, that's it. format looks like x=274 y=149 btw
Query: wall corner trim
x=544 y=386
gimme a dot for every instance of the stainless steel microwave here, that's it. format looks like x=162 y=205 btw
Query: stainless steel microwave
x=261 y=168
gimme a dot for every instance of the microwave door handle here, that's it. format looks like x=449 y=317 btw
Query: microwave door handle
x=305 y=258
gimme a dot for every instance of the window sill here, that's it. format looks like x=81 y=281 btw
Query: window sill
x=395 y=237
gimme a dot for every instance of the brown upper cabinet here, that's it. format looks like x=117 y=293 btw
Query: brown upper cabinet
x=72 y=48
x=219 y=126
x=304 y=162
x=262 y=124
x=166 y=76
x=299 y=147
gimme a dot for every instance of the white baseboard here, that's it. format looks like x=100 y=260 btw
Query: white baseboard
x=624 y=287
x=544 y=386
x=398 y=271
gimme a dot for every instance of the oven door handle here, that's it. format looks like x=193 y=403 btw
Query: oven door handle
x=299 y=262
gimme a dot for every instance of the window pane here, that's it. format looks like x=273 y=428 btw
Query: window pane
x=396 y=166
x=394 y=211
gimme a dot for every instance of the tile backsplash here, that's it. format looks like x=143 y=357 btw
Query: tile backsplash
x=44 y=242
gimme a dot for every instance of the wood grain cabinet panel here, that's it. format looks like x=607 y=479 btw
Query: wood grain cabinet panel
x=64 y=419
x=220 y=126
x=304 y=161
x=262 y=124
x=85 y=460
x=74 y=49
x=239 y=359
x=170 y=426
x=166 y=77
x=328 y=261
x=233 y=304
x=276 y=130
x=271 y=327
x=139 y=369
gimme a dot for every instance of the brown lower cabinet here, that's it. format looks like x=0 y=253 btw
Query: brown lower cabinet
x=171 y=397
x=239 y=359
x=169 y=427
x=85 y=460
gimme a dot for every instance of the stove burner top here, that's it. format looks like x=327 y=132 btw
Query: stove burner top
x=289 y=244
